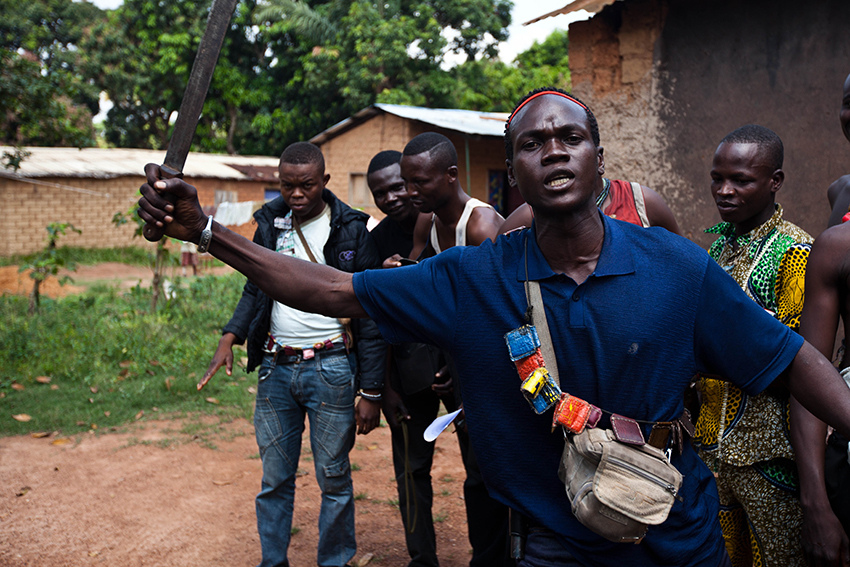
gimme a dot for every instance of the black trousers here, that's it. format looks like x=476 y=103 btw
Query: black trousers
x=415 y=494
x=487 y=519
x=837 y=478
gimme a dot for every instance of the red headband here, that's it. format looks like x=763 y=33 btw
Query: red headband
x=541 y=93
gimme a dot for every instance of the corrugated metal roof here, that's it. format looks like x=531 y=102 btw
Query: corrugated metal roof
x=591 y=6
x=469 y=122
x=119 y=162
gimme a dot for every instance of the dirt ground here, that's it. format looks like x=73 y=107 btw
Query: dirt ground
x=155 y=496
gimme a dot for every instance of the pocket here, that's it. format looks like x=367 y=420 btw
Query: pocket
x=335 y=372
x=337 y=477
x=637 y=482
x=266 y=367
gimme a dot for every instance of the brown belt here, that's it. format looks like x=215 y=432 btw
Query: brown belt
x=671 y=434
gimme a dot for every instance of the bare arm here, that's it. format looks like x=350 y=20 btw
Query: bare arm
x=421 y=235
x=657 y=211
x=520 y=218
x=816 y=384
x=484 y=223
x=300 y=284
x=839 y=199
x=823 y=538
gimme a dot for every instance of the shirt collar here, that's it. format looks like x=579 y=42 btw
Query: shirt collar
x=727 y=229
x=615 y=259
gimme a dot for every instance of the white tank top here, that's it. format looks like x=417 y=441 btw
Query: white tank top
x=460 y=229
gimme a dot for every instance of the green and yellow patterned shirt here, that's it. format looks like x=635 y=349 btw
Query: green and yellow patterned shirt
x=769 y=264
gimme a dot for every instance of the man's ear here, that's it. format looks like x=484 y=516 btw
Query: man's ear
x=451 y=173
x=600 y=157
x=326 y=178
x=510 y=168
x=776 y=180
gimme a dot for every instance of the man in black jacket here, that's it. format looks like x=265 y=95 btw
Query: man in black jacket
x=308 y=363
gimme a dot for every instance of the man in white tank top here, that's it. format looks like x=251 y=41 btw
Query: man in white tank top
x=429 y=170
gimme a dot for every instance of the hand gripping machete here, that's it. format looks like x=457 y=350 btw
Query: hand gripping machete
x=193 y=98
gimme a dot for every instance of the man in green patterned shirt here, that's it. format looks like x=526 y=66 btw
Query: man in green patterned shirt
x=745 y=439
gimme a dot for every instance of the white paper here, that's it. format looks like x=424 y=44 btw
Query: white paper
x=438 y=425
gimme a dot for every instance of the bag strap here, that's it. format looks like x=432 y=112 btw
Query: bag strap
x=534 y=300
x=347 y=334
x=532 y=289
x=306 y=246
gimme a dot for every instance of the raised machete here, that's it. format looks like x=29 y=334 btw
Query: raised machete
x=194 y=96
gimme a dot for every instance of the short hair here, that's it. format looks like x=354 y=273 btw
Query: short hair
x=769 y=143
x=591 y=119
x=303 y=152
x=439 y=148
x=383 y=160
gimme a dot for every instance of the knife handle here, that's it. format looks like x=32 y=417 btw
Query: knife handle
x=151 y=232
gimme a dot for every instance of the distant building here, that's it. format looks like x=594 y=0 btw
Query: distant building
x=478 y=138
x=86 y=187
x=667 y=79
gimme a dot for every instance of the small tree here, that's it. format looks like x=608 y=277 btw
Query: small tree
x=48 y=263
x=159 y=260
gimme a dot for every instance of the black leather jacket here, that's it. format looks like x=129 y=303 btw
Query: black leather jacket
x=349 y=248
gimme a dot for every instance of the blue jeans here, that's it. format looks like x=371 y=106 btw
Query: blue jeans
x=323 y=389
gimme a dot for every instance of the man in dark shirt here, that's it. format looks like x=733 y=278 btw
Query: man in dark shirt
x=409 y=405
x=633 y=312
x=394 y=234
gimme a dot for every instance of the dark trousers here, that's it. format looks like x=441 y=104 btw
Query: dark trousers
x=837 y=477
x=487 y=520
x=415 y=495
x=542 y=549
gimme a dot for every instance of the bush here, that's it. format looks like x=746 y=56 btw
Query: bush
x=104 y=351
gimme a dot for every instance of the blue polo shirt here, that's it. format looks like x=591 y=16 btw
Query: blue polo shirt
x=629 y=339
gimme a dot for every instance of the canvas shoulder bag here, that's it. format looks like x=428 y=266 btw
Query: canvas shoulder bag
x=616 y=489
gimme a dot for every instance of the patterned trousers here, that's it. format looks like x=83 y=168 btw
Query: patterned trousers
x=760 y=519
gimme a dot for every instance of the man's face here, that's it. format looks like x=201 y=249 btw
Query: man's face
x=428 y=185
x=301 y=186
x=389 y=193
x=844 y=115
x=743 y=185
x=556 y=164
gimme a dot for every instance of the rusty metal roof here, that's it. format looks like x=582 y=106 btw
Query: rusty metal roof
x=102 y=163
x=469 y=122
x=573 y=6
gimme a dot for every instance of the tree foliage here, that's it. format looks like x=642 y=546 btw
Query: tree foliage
x=45 y=96
x=288 y=68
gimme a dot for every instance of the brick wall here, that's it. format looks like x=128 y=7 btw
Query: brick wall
x=351 y=152
x=26 y=208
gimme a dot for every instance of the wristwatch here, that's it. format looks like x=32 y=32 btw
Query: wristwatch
x=206 y=236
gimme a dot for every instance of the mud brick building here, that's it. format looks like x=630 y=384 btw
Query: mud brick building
x=477 y=136
x=668 y=79
x=86 y=187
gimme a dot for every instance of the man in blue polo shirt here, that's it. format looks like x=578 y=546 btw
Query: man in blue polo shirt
x=633 y=312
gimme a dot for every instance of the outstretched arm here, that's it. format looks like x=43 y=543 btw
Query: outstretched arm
x=824 y=540
x=303 y=285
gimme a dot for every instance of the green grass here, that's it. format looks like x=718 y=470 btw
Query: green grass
x=441 y=517
x=133 y=255
x=109 y=358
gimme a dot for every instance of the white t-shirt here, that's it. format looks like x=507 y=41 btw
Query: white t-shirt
x=291 y=327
